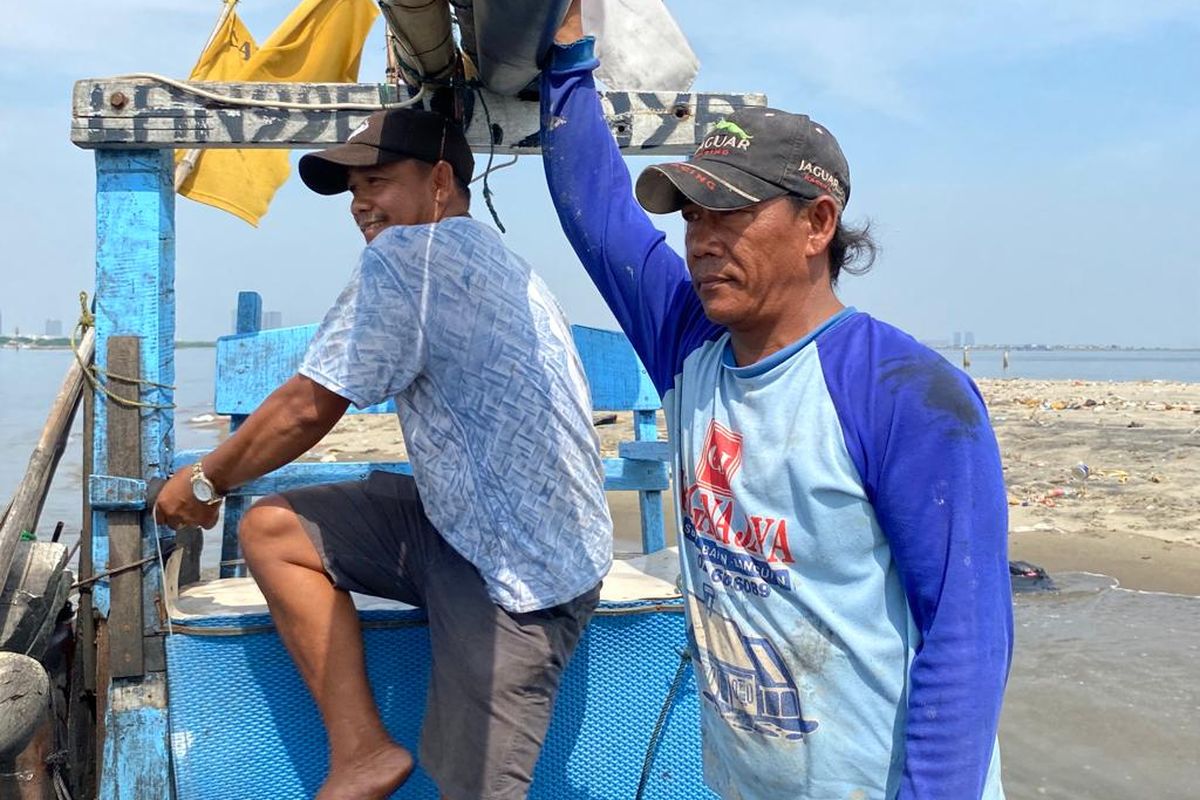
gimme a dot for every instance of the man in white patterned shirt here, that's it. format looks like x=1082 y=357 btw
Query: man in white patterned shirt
x=502 y=532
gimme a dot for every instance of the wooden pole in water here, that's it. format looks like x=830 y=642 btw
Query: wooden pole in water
x=26 y=505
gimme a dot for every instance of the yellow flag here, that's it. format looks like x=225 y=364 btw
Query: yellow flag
x=230 y=49
x=320 y=42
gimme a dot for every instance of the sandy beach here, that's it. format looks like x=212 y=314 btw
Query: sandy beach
x=1135 y=516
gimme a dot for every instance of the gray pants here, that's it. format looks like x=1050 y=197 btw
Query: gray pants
x=495 y=673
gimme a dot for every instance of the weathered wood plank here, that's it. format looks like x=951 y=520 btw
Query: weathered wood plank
x=188 y=544
x=81 y=729
x=85 y=620
x=615 y=374
x=29 y=777
x=124 y=527
x=135 y=272
x=651 y=450
x=249 y=312
x=81 y=713
x=249 y=320
x=32 y=596
x=136 y=741
x=24 y=698
x=145 y=113
x=645 y=432
x=115 y=493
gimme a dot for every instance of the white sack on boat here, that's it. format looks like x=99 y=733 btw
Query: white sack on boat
x=640 y=46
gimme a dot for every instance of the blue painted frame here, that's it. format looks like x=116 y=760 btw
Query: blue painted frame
x=135 y=296
x=249 y=320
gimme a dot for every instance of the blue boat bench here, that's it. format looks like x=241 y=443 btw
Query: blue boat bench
x=242 y=723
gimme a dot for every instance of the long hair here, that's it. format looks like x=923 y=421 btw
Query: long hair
x=852 y=250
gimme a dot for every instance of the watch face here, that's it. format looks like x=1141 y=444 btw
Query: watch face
x=202 y=491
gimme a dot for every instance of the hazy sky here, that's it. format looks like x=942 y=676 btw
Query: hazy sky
x=1032 y=167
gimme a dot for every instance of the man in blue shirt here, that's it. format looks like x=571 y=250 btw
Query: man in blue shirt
x=502 y=533
x=843 y=519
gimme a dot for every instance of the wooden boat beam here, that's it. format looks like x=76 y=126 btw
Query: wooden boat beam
x=143 y=113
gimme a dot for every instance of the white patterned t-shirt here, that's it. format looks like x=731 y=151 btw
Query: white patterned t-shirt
x=492 y=400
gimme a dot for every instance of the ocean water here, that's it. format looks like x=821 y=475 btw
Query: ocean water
x=1102 y=699
x=1103 y=695
x=1082 y=365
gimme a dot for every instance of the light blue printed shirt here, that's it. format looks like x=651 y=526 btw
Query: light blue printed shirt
x=492 y=399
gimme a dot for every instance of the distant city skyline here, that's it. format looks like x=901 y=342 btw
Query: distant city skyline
x=957 y=339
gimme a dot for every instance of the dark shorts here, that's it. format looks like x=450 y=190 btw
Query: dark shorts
x=495 y=674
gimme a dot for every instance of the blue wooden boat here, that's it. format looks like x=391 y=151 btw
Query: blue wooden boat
x=194 y=696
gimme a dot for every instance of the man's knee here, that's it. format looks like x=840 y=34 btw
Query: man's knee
x=269 y=521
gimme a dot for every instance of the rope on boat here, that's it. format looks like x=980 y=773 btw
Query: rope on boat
x=93 y=373
x=230 y=100
x=487 y=190
x=685 y=658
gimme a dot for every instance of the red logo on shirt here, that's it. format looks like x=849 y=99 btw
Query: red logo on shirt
x=711 y=512
x=720 y=459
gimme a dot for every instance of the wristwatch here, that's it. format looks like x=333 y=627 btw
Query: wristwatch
x=202 y=488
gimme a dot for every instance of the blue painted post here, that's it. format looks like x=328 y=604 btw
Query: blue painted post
x=249 y=320
x=135 y=296
x=654 y=538
x=249 y=312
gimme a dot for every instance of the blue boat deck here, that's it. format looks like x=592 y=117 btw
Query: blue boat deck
x=243 y=724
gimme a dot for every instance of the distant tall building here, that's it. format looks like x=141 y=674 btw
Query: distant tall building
x=969 y=339
x=1 y=324
x=958 y=338
x=54 y=328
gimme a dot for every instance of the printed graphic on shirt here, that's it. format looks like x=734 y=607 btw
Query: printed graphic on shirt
x=744 y=676
x=741 y=551
x=737 y=553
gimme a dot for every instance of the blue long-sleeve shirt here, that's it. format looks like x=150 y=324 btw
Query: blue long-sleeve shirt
x=843 y=519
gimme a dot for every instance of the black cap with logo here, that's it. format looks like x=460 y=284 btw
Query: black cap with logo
x=388 y=136
x=754 y=154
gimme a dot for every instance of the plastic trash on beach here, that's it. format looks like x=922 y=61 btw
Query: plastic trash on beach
x=1028 y=577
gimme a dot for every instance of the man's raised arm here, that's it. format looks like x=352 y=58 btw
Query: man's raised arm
x=644 y=282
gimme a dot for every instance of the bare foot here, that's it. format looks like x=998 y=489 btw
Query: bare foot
x=373 y=777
